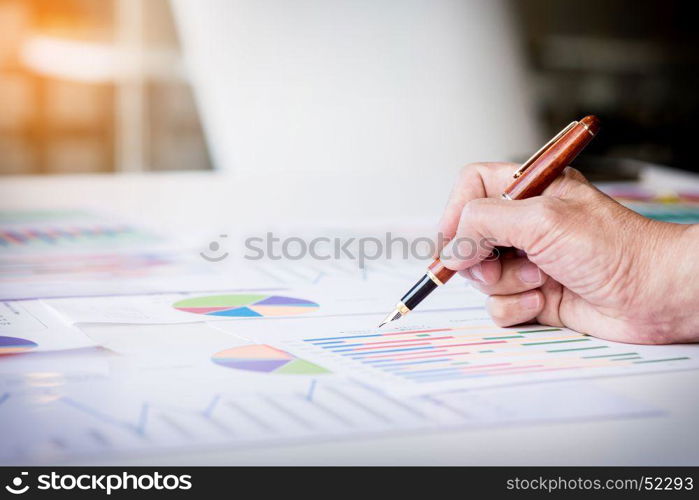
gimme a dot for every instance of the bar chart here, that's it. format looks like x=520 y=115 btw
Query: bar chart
x=482 y=354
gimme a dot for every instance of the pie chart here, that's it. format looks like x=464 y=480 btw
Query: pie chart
x=13 y=345
x=246 y=305
x=265 y=359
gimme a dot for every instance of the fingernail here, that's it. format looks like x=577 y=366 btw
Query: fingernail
x=529 y=273
x=477 y=273
x=529 y=300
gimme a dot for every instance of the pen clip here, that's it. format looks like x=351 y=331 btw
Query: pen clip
x=543 y=148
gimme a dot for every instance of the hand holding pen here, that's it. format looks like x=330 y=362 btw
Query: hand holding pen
x=585 y=261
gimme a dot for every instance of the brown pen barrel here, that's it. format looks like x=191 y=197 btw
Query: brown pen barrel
x=440 y=271
x=542 y=172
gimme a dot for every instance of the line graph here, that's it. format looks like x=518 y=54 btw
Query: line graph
x=85 y=424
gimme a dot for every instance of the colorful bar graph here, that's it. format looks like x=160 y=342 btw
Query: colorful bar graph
x=477 y=351
x=70 y=235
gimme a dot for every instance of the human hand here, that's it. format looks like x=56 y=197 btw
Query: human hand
x=584 y=261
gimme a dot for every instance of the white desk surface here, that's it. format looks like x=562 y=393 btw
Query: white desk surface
x=177 y=201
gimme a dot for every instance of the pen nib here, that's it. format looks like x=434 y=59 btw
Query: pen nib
x=393 y=315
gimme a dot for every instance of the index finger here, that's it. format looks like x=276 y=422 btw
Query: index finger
x=477 y=180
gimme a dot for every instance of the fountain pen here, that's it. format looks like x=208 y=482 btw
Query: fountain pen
x=529 y=180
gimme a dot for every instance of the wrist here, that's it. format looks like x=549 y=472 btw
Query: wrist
x=676 y=304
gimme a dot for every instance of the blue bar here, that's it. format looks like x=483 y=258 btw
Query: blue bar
x=18 y=236
x=340 y=348
x=398 y=359
x=47 y=238
x=141 y=427
x=311 y=389
x=329 y=342
x=412 y=363
x=390 y=350
x=413 y=373
x=438 y=378
x=210 y=408
x=343 y=345
x=66 y=234
x=341 y=338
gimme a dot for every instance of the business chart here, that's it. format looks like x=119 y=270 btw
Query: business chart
x=449 y=350
x=265 y=359
x=28 y=325
x=67 y=231
x=79 y=253
x=246 y=305
x=14 y=345
x=669 y=206
x=103 y=420
x=424 y=356
x=25 y=270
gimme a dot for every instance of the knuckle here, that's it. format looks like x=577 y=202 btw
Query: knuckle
x=473 y=209
x=574 y=174
x=477 y=167
x=570 y=184
x=470 y=209
x=550 y=211
x=476 y=205
x=468 y=169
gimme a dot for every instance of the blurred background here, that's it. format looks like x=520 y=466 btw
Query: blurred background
x=94 y=86
x=103 y=85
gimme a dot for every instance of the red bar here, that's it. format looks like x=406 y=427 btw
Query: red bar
x=485 y=366
x=476 y=343
x=421 y=339
x=417 y=356
x=399 y=354
x=418 y=331
x=384 y=347
x=502 y=369
x=545 y=369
